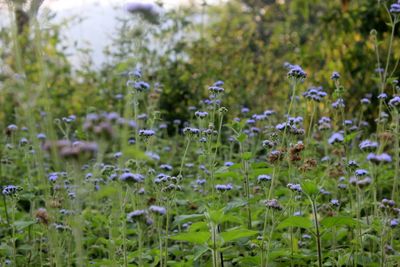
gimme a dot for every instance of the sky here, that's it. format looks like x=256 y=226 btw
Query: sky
x=99 y=22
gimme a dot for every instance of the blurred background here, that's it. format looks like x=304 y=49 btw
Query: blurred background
x=183 y=46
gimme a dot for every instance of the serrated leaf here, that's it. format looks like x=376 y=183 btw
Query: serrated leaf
x=237 y=234
x=193 y=237
x=295 y=221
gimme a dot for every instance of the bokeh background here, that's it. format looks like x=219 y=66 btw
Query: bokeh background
x=184 y=46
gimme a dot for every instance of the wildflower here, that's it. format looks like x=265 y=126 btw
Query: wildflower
x=131 y=177
x=338 y=104
x=382 y=96
x=158 y=210
x=146 y=133
x=395 y=102
x=245 y=110
x=368 y=145
x=315 y=94
x=268 y=144
x=191 y=131
x=361 y=172
x=296 y=73
x=41 y=136
x=335 y=76
x=10 y=190
x=365 y=101
x=395 y=8
x=263 y=178
x=382 y=158
x=216 y=87
x=166 y=167
x=336 y=138
x=53 y=177
x=223 y=187
x=273 y=204
x=364 y=182
x=201 y=114
x=228 y=163
x=335 y=202
x=394 y=223
x=352 y=164
x=117 y=155
x=136 y=215
x=294 y=187
x=200 y=181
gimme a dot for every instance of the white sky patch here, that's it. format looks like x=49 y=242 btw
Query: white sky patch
x=99 y=23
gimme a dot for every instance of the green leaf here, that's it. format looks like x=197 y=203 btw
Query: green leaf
x=246 y=155
x=193 y=237
x=237 y=234
x=338 y=221
x=23 y=224
x=184 y=218
x=295 y=221
x=350 y=137
x=310 y=188
x=131 y=152
x=241 y=138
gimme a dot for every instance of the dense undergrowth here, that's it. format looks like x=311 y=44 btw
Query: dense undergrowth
x=307 y=184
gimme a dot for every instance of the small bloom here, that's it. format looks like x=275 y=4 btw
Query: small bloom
x=336 y=138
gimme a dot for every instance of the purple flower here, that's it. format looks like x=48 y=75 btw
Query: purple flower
x=335 y=76
x=361 y=172
x=158 y=210
x=338 y=104
x=131 y=177
x=296 y=73
x=10 y=190
x=336 y=138
x=223 y=187
x=382 y=158
x=263 y=178
x=146 y=133
x=368 y=145
x=395 y=8
x=395 y=101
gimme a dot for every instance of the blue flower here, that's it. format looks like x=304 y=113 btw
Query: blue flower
x=336 y=138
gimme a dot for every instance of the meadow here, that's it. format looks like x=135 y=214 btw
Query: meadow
x=159 y=159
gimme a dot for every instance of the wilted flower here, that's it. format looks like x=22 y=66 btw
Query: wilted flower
x=273 y=204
